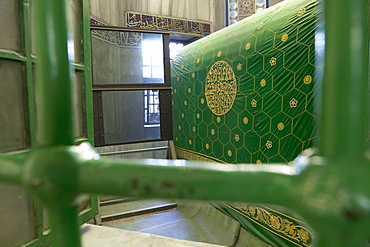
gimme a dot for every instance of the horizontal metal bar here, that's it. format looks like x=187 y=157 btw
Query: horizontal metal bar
x=130 y=88
x=139 y=212
x=134 y=151
x=11 y=168
x=12 y=55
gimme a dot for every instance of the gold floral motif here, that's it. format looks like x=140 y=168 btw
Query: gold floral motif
x=213 y=132
x=219 y=54
x=258 y=162
x=280 y=126
x=207 y=146
x=239 y=66
x=229 y=152
x=263 y=82
x=192 y=75
x=185 y=102
x=269 y=144
x=237 y=137
x=260 y=26
x=293 y=103
x=198 y=60
x=198 y=115
x=284 y=37
x=194 y=129
x=218 y=119
x=301 y=12
x=248 y=46
x=254 y=103
x=220 y=88
x=189 y=90
x=307 y=79
x=273 y=61
x=245 y=120
x=202 y=101
x=274 y=222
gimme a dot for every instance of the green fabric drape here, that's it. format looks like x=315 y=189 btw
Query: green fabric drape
x=244 y=94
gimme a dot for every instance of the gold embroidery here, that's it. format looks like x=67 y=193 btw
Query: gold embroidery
x=274 y=222
x=263 y=82
x=190 y=142
x=177 y=139
x=179 y=127
x=189 y=90
x=229 y=152
x=198 y=115
x=182 y=115
x=239 y=66
x=218 y=119
x=175 y=90
x=207 y=146
x=198 y=60
x=220 y=88
x=231 y=35
x=301 y=12
x=192 y=75
x=178 y=78
x=237 y=137
x=245 y=120
x=185 y=102
x=273 y=61
x=182 y=66
x=307 y=79
x=260 y=26
x=202 y=101
x=219 y=54
x=293 y=103
x=213 y=132
x=280 y=126
x=207 y=45
x=254 y=103
x=284 y=37
x=258 y=162
x=269 y=144
x=248 y=46
x=194 y=129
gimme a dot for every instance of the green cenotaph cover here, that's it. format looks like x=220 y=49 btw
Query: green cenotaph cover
x=244 y=94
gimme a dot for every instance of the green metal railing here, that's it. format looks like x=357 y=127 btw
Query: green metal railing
x=331 y=190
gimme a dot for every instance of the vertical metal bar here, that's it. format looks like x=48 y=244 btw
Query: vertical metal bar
x=343 y=117
x=53 y=84
x=64 y=226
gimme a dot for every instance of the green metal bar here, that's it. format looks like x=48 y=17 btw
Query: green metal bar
x=54 y=73
x=12 y=55
x=344 y=102
x=64 y=225
x=11 y=168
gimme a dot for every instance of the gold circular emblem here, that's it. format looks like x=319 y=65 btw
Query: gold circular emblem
x=219 y=54
x=307 y=79
x=263 y=82
x=218 y=119
x=207 y=146
x=229 y=153
x=281 y=126
x=245 y=120
x=248 y=46
x=284 y=37
x=220 y=89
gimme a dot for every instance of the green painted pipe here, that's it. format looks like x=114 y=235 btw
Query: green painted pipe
x=53 y=83
x=344 y=102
